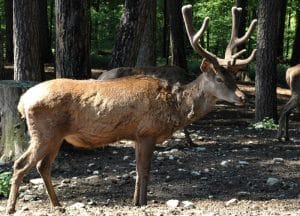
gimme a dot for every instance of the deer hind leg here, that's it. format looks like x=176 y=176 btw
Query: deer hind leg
x=144 y=151
x=284 y=116
x=44 y=169
x=22 y=167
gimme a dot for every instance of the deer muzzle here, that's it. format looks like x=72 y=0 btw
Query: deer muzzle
x=241 y=98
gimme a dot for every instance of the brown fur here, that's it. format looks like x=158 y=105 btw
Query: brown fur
x=293 y=81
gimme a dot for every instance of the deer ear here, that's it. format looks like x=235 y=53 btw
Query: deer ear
x=205 y=65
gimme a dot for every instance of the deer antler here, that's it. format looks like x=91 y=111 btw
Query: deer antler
x=231 y=58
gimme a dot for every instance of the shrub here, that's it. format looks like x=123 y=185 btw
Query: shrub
x=266 y=123
x=5 y=183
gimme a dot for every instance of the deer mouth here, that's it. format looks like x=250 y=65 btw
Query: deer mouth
x=240 y=103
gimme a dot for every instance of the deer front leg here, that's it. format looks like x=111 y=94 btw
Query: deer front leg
x=283 y=121
x=143 y=153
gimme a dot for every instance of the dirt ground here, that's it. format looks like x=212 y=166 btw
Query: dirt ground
x=234 y=170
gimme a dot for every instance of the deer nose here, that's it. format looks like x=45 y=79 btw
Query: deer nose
x=240 y=95
x=243 y=98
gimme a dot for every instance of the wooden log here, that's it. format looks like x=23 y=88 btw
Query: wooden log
x=14 y=138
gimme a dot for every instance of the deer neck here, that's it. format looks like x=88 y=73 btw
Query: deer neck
x=195 y=100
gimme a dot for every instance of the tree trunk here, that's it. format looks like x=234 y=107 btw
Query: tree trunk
x=146 y=56
x=281 y=20
x=2 y=75
x=46 y=52
x=243 y=20
x=9 y=49
x=51 y=21
x=177 y=33
x=27 y=58
x=266 y=75
x=14 y=139
x=72 y=39
x=166 y=34
x=296 y=47
x=130 y=33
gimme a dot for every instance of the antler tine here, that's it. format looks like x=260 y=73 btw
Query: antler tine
x=235 y=22
x=195 y=36
x=248 y=33
x=242 y=62
x=234 y=37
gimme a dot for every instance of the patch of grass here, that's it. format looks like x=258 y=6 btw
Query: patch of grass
x=5 y=183
x=266 y=123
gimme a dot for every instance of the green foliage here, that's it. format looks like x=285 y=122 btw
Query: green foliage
x=5 y=183
x=194 y=64
x=219 y=13
x=266 y=123
x=100 y=61
x=105 y=20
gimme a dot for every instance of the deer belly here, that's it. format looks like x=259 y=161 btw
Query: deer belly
x=89 y=142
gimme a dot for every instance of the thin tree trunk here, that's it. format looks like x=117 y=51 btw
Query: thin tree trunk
x=9 y=50
x=243 y=20
x=132 y=26
x=165 y=46
x=147 y=52
x=72 y=39
x=281 y=20
x=266 y=75
x=288 y=38
x=27 y=58
x=296 y=47
x=176 y=33
x=2 y=75
x=46 y=52
x=52 y=19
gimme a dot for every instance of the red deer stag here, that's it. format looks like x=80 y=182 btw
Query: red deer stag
x=93 y=113
x=293 y=80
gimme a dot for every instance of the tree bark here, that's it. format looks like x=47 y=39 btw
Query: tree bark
x=9 y=49
x=27 y=58
x=147 y=51
x=130 y=33
x=72 y=39
x=166 y=34
x=296 y=47
x=14 y=139
x=178 y=56
x=281 y=20
x=266 y=75
x=52 y=20
x=46 y=52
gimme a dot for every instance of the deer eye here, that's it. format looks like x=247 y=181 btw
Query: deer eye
x=219 y=79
